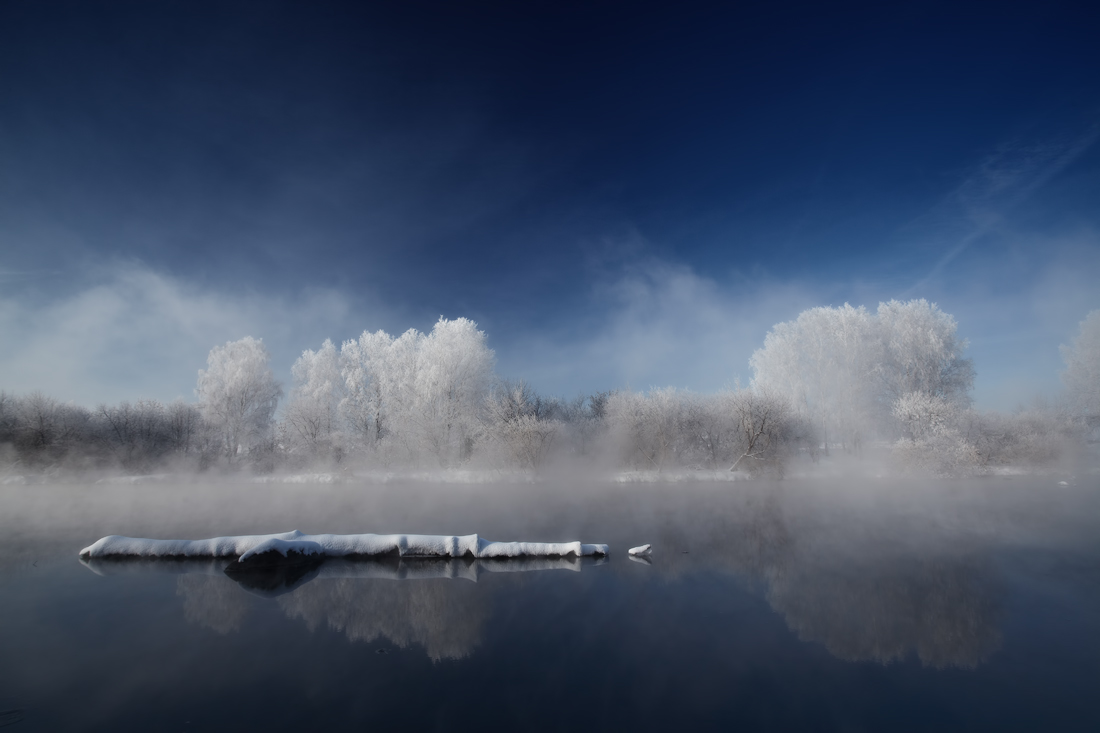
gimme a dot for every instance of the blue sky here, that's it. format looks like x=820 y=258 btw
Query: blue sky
x=620 y=196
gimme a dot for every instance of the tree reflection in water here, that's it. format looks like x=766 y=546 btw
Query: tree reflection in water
x=869 y=593
x=943 y=609
x=366 y=599
x=443 y=616
x=212 y=602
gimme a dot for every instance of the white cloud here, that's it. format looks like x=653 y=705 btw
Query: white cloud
x=663 y=324
x=142 y=334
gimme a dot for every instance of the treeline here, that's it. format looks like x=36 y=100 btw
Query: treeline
x=514 y=429
x=833 y=380
x=432 y=400
x=38 y=432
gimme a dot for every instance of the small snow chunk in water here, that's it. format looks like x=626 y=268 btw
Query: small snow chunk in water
x=640 y=551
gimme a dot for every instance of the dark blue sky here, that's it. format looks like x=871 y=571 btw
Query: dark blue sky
x=619 y=195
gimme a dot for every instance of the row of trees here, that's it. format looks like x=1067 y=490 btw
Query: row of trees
x=231 y=422
x=39 y=431
x=834 y=378
x=433 y=400
x=737 y=429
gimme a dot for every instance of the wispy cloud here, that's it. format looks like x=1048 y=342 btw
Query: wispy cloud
x=1004 y=180
x=138 y=333
x=657 y=323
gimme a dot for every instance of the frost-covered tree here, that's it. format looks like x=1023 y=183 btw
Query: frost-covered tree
x=740 y=430
x=923 y=415
x=238 y=394
x=823 y=362
x=649 y=428
x=1082 y=374
x=312 y=413
x=453 y=372
x=365 y=365
x=921 y=353
x=762 y=422
x=521 y=424
x=420 y=394
x=932 y=441
x=583 y=421
x=845 y=368
x=710 y=429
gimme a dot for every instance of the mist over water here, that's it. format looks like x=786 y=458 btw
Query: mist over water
x=796 y=585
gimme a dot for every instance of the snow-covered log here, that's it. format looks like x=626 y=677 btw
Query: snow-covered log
x=337 y=545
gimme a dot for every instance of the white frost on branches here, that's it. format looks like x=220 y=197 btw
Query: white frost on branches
x=311 y=416
x=831 y=377
x=844 y=368
x=238 y=394
x=1082 y=374
x=413 y=398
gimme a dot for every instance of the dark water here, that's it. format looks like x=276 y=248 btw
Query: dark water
x=786 y=606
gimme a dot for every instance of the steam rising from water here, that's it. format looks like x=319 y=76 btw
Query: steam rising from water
x=873 y=572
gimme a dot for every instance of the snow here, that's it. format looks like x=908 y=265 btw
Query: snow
x=446 y=476
x=298 y=478
x=682 y=476
x=337 y=545
x=639 y=551
x=151 y=478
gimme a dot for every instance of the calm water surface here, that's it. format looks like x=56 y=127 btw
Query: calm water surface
x=770 y=606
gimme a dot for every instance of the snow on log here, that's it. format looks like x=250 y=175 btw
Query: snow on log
x=338 y=545
x=640 y=551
